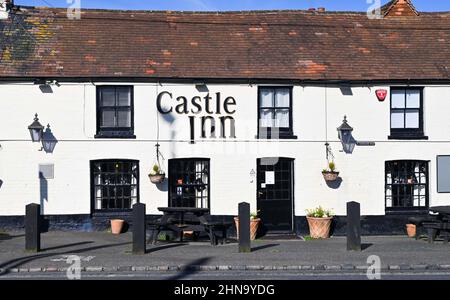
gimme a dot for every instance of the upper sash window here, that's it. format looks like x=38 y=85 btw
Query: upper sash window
x=407 y=113
x=275 y=112
x=115 y=112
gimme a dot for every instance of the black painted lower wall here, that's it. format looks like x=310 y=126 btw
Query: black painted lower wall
x=370 y=225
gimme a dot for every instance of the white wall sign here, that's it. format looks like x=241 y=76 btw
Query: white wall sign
x=270 y=177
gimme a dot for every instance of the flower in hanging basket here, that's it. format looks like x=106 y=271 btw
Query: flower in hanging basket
x=157 y=175
x=330 y=174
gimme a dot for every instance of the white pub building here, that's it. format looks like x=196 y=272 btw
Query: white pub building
x=233 y=107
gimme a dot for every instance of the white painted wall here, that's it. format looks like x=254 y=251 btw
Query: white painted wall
x=71 y=112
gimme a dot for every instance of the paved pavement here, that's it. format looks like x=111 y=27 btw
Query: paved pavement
x=220 y=276
x=106 y=254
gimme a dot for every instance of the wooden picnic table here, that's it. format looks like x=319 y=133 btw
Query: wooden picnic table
x=441 y=224
x=444 y=211
x=181 y=219
x=181 y=212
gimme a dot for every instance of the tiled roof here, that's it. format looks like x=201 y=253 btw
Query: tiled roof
x=297 y=45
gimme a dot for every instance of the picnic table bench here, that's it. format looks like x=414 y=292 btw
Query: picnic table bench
x=440 y=226
x=434 y=224
x=182 y=219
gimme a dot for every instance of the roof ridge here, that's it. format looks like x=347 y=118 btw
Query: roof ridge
x=390 y=5
x=385 y=8
x=193 y=11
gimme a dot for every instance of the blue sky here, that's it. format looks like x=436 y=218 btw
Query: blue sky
x=221 y=5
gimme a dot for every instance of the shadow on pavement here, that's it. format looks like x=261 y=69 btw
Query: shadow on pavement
x=264 y=247
x=190 y=269
x=163 y=247
x=365 y=246
x=66 y=246
x=17 y=262
x=6 y=236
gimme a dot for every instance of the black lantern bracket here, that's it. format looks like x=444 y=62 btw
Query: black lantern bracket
x=346 y=137
x=159 y=156
x=46 y=138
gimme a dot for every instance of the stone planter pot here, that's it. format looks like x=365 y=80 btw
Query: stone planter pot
x=411 y=230
x=254 y=225
x=158 y=178
x=117 y=226
x=319 y=228
x=330 y=176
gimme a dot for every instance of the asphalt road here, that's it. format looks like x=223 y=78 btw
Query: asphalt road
x=229 y=275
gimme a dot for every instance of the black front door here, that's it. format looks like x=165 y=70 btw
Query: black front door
x=275 y=193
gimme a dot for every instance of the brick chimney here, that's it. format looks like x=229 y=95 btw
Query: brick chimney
x=400 y=8
x=5 y=7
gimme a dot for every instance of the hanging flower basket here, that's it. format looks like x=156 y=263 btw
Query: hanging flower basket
x=157 y=178
x=330 y=176
x=157 y=175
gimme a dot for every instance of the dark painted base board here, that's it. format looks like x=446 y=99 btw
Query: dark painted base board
x=370 y=225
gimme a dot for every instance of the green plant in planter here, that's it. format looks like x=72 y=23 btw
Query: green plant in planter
x=254 y=215
x=319 y=212
x=156 y=170
x=157 y=175
x=330 y=174
x=331 y=168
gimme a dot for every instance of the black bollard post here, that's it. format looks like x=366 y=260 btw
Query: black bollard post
x=32 y=228
x=244 y=227
x=139 y=227
x=353 y=226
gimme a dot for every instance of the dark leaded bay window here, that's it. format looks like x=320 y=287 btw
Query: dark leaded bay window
x=407 y=113
x=189 y=183
x=275 y=112
x=115 y=112
x=406 y=185
x=115 y=184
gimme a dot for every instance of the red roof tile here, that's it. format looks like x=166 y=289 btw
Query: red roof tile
x=297 y=45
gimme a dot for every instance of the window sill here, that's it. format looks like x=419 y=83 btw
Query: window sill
x=114 y=136
x=407 y=211
x=407 y=137
x=285 y=137
x=112 y=214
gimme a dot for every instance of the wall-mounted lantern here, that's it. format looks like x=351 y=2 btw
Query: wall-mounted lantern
x=345 y=136
x=36 y=130
x=46 y=137
x=347 y=139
